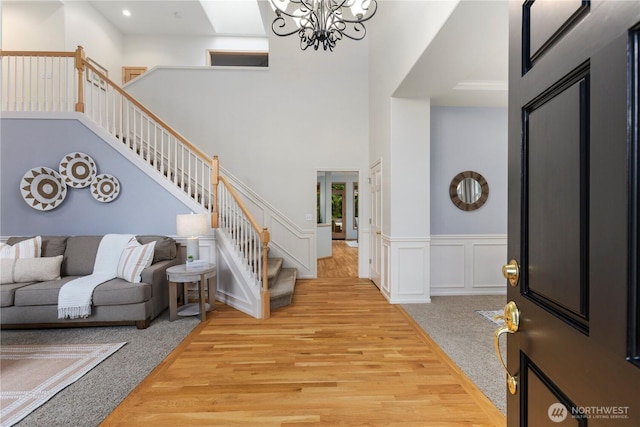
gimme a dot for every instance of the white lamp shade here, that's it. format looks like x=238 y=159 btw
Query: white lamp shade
x=191 y=225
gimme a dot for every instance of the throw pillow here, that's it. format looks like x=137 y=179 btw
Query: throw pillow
x=134 y=259
x=21 y=270
x=29 y=248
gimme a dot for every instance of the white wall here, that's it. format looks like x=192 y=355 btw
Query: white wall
x=102 y=42
x=34 y=25
x=62 y=26
x=273 y=129
x=151 y=51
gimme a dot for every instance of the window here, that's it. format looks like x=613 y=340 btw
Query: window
x=219 y=58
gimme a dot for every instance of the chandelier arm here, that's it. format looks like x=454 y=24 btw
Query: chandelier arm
x=282 y=25
x=373 y=4
x=362 y=28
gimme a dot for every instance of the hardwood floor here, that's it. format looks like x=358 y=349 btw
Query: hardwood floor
x=340 y=354
x=343 y=262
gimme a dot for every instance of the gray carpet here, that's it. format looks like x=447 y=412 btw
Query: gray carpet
x=467 y=337
x=90 y=399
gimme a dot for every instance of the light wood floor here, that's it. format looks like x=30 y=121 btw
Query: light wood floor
x=342 y=263
x=339 y=355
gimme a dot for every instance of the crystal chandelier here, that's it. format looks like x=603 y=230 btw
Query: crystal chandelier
x=322 y=22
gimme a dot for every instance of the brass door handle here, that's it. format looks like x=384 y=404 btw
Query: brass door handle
x=511 y=319
x=511 y=272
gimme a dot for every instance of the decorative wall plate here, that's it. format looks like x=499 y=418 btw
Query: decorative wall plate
x=77 y=170
x=105 y=188
x=43 y=188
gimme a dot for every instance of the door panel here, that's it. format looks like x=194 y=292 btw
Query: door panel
x=573 y=212
x=555 y=189
x=547 y=21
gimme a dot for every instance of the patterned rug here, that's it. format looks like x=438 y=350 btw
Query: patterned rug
x=490 y=314
x=32 y=374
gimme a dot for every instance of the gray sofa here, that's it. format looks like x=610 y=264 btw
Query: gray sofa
x=116 y=302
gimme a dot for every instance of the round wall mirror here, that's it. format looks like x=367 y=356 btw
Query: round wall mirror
x=469 y=190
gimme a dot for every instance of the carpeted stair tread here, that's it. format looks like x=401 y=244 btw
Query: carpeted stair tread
x=282 y=291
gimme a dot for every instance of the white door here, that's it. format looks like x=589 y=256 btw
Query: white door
x=375 y=225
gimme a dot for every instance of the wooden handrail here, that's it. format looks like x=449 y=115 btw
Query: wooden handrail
x=36 y=53
x=146 y=111
x=244 y=209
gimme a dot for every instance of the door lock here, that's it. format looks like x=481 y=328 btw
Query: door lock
x=511 y=272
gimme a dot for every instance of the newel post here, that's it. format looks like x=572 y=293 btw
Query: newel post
x=265 y=296
x=80 y=57
x=215 y=173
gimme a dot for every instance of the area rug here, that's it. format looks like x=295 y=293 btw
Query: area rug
x=32 y=374
x=352 y=243
x=490 y=314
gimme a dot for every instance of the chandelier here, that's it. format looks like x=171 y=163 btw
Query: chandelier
x=322 y=22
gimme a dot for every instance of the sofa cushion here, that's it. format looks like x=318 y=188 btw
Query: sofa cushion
x=51 y=245
x=28 y=248
x=165 y=247
x=80 y=255
x=113 y=292
x=30 y=269
x=119 y=291
x=40 y=293
x=8 y=291
x=134 y=259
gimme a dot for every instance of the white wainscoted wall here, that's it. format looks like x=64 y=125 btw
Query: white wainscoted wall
x=468 y=264
x=411 y=283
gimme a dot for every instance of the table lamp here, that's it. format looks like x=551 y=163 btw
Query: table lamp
x=191 y=226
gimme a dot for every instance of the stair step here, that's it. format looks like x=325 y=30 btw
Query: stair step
x=273 y=268
x=282 y=291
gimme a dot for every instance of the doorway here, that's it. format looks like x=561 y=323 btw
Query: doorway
x=337 y=211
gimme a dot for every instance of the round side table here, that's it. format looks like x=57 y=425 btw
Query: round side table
x=182 y=274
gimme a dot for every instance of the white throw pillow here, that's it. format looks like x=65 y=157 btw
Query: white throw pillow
x=22 y=270
x=29 y=248
x=134 y=259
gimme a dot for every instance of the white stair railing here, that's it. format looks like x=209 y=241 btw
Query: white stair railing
x=68 y=82
x=250 y=239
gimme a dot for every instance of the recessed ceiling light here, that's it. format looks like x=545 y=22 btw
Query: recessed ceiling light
x=126 y=12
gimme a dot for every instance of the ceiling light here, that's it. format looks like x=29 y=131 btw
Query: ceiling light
x=322 y=22
x=126 y=12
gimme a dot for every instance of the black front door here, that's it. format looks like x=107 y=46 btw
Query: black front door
x=573 y=213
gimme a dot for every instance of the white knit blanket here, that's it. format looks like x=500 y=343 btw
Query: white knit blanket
x=74 y=299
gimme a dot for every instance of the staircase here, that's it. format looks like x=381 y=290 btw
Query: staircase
x=75 y=84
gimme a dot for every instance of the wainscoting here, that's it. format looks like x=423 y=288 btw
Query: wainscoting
x=468 y=264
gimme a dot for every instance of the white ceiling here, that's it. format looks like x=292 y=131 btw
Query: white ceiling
x=184 y=17
x=466 y=64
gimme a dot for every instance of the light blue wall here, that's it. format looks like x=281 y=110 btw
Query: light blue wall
x=468 y=138
x=143 y=206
